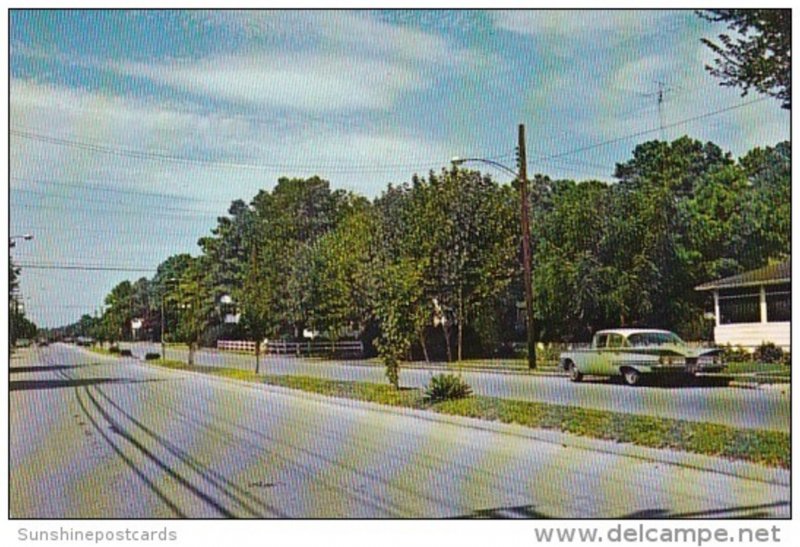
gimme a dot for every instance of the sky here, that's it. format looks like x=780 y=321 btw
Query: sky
x=130 y=132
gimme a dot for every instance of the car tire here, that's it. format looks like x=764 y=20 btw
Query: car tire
x=574 y=374
x=632 y=376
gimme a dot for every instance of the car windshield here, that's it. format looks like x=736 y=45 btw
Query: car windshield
x=653 y=339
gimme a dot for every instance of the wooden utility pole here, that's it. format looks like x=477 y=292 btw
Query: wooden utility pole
x=527 y=274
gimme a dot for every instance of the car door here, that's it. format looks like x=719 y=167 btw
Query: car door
x=614 y=352
x=597 y=357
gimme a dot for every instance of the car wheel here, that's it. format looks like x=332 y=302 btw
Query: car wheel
x=574 y=374
x=632 y=376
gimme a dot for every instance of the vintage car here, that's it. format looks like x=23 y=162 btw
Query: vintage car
x=631 y=353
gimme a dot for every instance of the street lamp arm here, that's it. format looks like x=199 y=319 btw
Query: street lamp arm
x=460 y=161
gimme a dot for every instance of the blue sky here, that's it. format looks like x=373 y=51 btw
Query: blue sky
x=132 y=131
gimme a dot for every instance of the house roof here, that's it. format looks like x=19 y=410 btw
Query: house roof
x=768 y=275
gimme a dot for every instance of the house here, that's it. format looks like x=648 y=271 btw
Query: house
x=753 y=307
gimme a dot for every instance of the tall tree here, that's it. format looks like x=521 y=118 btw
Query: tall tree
x=119 y=312
x=759 y=56
x=254 y=299
x=194 y=299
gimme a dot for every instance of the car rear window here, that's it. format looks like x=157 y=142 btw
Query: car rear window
x=653 y=339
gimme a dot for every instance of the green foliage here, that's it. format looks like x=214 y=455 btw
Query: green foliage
x=735 y=354
x=759 y=56
x=444 y=387
x=194 y=301
x=399 y=291
x=20 y=327
x=768 y=353
x=150 y=356
x=436 y=260
x=114 y=350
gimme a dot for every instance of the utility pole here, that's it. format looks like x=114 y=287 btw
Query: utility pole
x=527 y=274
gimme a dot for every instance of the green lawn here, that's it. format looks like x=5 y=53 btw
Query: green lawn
x=753 y=367
x=771 y=448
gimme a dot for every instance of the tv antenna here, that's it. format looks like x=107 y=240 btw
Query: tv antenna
x=660 y=94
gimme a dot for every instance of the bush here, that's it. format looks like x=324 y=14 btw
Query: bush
x=736 y=355
x=125 y=353
x=113 y=349
x=768 y=353
x=444 y=387
x=152 y=356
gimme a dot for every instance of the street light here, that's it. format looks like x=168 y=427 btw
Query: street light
x=12 y=243
x=527 y=274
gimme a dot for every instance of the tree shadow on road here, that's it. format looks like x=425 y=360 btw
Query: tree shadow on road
x=510 y=512
x=50 y=368
x=23 y=385
x=736 y=512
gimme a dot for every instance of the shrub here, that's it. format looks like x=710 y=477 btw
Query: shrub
x=444 y=387
x=768 y=352
x=113 y=349
x=151 y=356
x=125 y=353
x=736 y=355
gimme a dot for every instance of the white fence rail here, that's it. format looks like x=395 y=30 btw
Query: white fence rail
x=236 y=345
x=349 y=347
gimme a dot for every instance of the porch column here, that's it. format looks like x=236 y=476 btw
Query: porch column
x=763 y=302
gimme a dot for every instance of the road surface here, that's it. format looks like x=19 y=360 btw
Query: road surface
x=749 y=408
x=93 y=436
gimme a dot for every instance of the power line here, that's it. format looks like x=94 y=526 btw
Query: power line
x=83 y=267
x=110 y=204
x=100 y=188
x=142 y=214
x=161 y=156
x=648 y=131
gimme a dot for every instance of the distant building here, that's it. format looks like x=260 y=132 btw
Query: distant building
x=753 y=307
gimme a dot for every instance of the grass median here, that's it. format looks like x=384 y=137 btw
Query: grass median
x=771 y=448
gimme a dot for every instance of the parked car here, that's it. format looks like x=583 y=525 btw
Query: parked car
x=632 y=353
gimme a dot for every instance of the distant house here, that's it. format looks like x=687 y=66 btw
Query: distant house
x=753 y=307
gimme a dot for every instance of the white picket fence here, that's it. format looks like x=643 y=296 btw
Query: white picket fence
x=277 y=347
x=236 y=345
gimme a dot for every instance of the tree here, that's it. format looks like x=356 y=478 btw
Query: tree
x=760 y=57
x=398 y=291
x=163 y=284
x=119 y=313
x=194 y=299
x=290 y=219
x=337 y=275
x=255 y=300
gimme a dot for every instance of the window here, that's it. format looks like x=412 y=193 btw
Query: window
x=600 y=340
x=779 y=303
x=615 y=340
x=658 y=338
x=740 y=305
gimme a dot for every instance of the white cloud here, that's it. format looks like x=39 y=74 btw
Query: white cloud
x=312 y=82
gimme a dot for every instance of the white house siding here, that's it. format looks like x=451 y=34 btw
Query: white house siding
x=752 y=335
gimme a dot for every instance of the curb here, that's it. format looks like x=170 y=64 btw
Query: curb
x=734 y=468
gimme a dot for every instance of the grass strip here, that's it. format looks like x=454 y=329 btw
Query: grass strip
x=101 y=351
x=771 y=448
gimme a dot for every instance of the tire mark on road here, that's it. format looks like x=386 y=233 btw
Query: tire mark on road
x=217 y=479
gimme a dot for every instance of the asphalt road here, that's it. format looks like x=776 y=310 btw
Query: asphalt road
x=751 y=408
x=92 y=436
